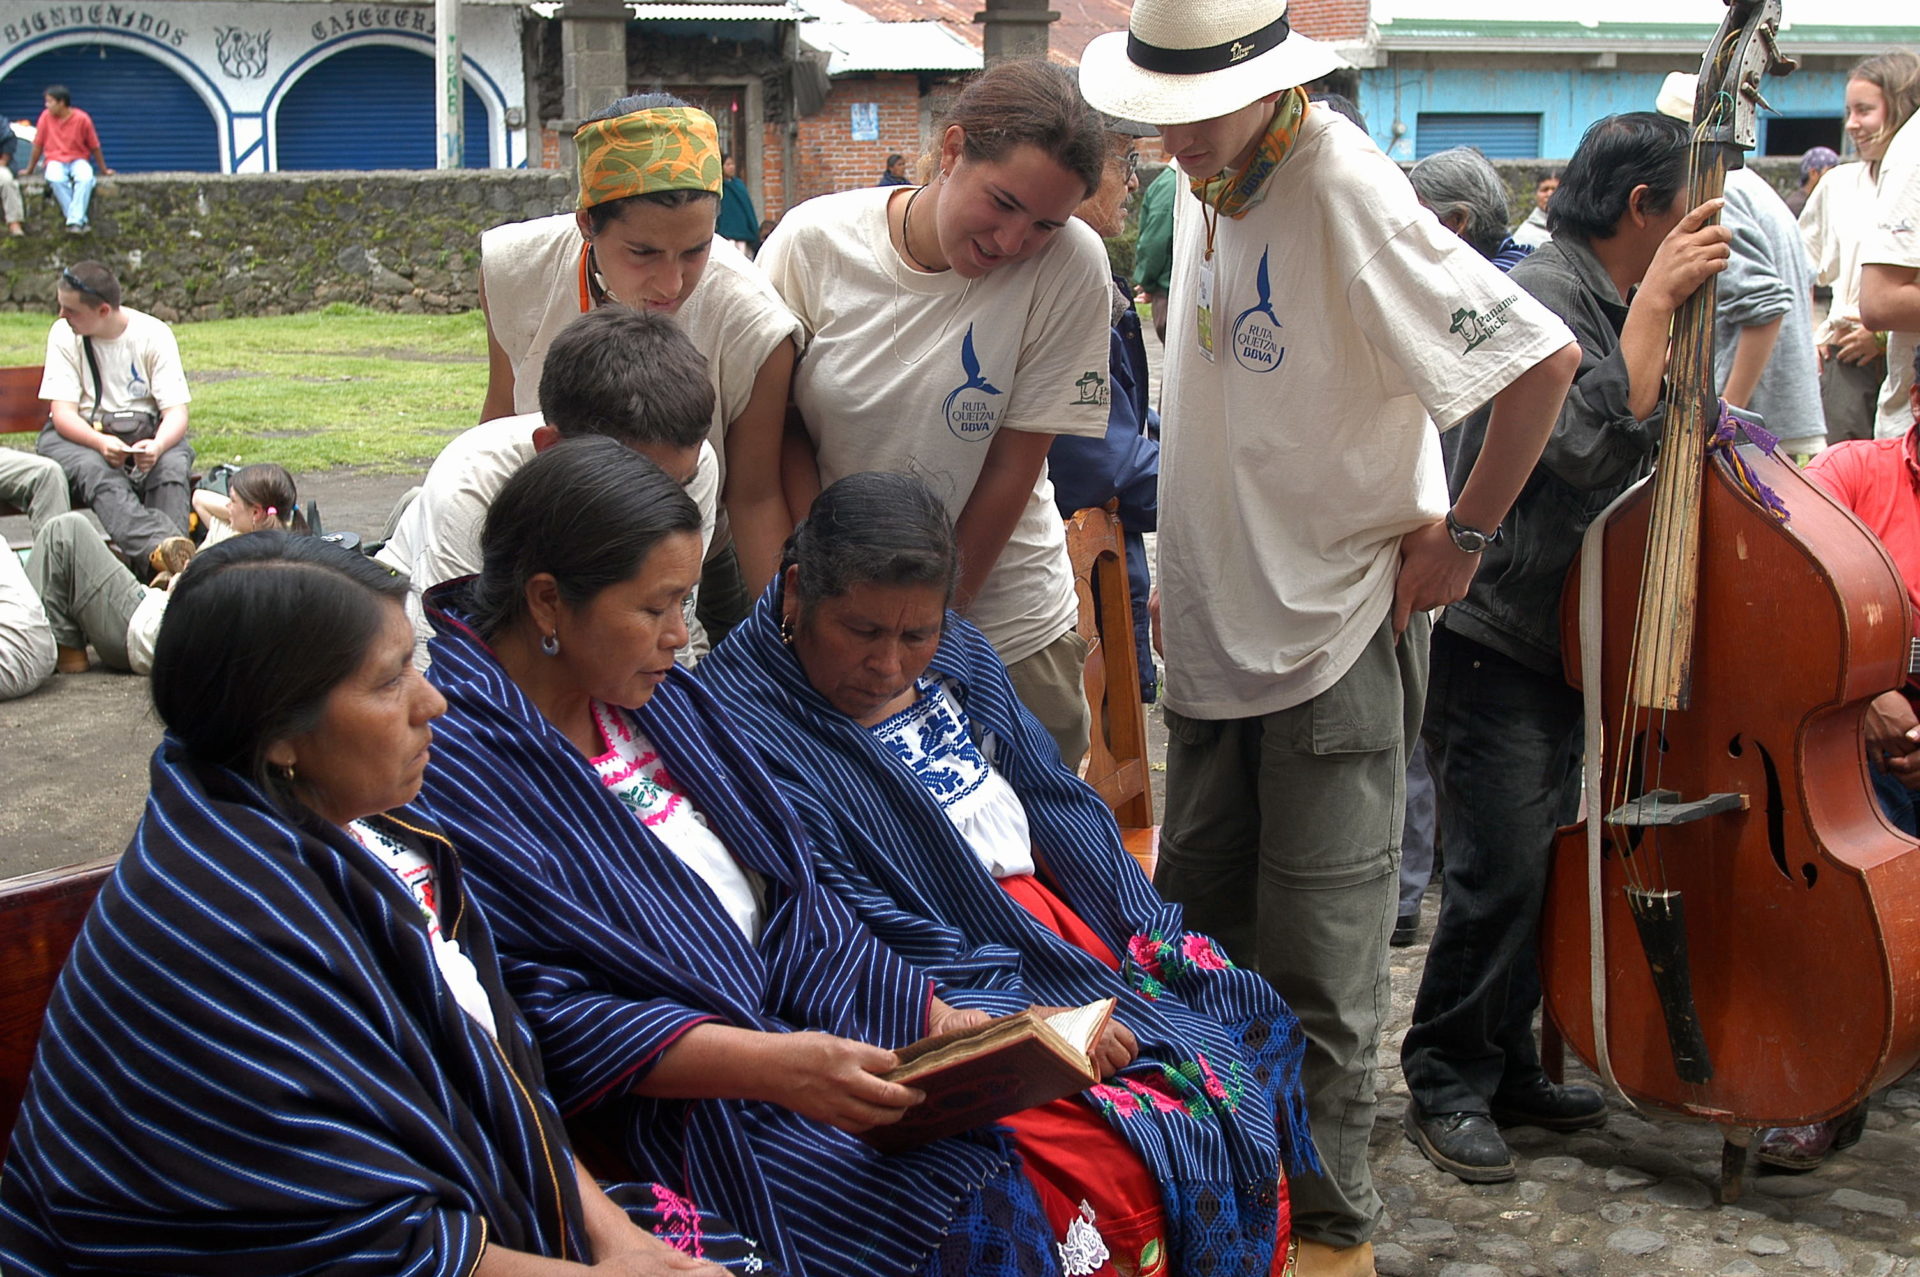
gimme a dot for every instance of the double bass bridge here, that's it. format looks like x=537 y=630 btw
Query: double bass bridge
x=1658 y=808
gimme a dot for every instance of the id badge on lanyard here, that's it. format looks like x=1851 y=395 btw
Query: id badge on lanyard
x=1203 y=311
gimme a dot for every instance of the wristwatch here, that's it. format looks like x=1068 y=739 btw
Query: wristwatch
x=1470 y=540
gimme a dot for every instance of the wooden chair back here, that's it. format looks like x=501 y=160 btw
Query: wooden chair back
x=40 y=917
x=1116 y=764
x=21 y=409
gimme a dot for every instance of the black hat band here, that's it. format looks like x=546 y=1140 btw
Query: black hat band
x=1214 y=57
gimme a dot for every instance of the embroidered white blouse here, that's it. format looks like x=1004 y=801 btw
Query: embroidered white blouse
x=634 y=772
x=416 y=872
x=930 y=736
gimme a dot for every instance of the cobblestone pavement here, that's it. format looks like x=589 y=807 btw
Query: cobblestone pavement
x=1640 y=1194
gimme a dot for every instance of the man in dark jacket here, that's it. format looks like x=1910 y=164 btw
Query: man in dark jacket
x=1502 y=726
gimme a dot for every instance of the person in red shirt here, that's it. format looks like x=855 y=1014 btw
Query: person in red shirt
x=1879 y=480
x=66 y=137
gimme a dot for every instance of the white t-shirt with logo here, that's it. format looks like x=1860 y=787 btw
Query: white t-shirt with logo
x=438 y=537
x=139 y=370
x=913 y=372
x=1894 y=240
x=1347 y=322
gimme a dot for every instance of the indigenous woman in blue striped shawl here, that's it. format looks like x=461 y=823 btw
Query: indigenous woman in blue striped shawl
x=699 y=998
x=939 y=808
x=282 y=1043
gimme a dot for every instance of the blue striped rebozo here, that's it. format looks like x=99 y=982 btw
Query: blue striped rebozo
x=884 y=844
x=252 y=1067
x=614 y=948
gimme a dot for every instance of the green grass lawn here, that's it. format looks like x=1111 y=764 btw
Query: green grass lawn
x=344 y=386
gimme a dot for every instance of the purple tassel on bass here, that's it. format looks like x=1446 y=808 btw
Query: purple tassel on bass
x=1724 y=440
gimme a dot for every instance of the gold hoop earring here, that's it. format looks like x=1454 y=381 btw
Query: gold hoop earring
x=786 y=630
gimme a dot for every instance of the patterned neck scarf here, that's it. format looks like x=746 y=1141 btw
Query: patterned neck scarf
x=1235 y=193
x=663 y=149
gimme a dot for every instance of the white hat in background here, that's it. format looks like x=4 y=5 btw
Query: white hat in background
x=1676 y=95
x=1184 y=60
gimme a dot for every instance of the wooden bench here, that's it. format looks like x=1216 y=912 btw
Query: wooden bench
x=40 y=917
x=22 y=410
x=1116 y=764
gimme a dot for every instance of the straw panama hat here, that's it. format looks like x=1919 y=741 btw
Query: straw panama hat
x=1180 y=61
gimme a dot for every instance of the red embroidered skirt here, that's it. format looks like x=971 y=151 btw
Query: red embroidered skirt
x=1072 y=1153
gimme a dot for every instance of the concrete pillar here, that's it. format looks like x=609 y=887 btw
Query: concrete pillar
x=1015 y=29
x=593 y=55
x=593 y=66
x=448 y=98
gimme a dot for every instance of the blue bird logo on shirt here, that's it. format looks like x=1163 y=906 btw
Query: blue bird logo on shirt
x=970 y=411
x=1256 y=333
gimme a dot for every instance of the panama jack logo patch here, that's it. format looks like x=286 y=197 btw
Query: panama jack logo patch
x=970 y=410
x=1474 y=328
x=1092 y=387
x=1256 y=333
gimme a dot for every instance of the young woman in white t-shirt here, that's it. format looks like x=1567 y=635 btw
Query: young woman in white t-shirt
x=1883 y=92
x=643 y=236
x=954 y=329
x=258 y=496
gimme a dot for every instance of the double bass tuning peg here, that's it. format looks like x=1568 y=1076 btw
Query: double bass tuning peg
x=1751 y=92
x=1778 y=61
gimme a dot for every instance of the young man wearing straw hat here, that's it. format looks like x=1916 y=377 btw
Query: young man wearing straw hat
x=1321 y=323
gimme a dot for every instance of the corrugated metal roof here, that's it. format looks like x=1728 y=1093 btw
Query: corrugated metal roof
x=1548 y=36
x=779 y=11
x=1858 y=13
x=889 y=46
x=1080 y=21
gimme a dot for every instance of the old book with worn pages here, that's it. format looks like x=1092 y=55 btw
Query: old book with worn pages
x=973 y=1077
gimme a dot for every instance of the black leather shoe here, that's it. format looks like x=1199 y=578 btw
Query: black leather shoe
x=1549 y=1106
x=1406 y=929
x=1463 y=1144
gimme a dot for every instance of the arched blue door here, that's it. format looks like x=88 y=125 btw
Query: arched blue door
x=367 y=108
x=148 y=118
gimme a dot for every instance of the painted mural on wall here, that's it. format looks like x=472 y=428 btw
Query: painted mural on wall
x=245 y=61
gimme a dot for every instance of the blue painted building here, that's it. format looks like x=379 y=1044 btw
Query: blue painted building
x=1487 y=73
x=252 y=86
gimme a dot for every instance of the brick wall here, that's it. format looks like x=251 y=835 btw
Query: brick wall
x=826 y=158
x=773 y=169
x=1330 y=19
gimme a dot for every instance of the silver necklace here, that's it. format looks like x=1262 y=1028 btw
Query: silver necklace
x=893 y=268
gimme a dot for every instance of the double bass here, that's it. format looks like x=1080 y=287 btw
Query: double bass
x=1732 y=935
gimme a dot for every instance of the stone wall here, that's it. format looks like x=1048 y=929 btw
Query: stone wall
x=210 y=246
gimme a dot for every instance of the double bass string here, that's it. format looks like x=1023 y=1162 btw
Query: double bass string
x=1668 y=571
